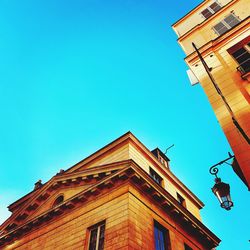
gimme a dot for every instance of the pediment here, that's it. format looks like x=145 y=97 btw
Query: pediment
x=118 y=154
x=66 y=184
x=66 y=192
x=116 y=151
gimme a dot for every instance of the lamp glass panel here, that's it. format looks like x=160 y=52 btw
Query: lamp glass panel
x=218 y=196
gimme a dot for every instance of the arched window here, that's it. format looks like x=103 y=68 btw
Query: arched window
x=58 y=200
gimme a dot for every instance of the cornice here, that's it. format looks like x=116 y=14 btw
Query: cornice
x=64 y=174
x=135 y=176
x=74 y=176
x=170 y=204
x=151 y=157
x=206 y=21
x=12 y=207
x=54 y=184
x=220 y=41
x=180 y=20
x=130 y=138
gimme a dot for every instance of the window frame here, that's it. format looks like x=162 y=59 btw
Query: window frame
x=245 y=45
x=211 y=11
x=153 y=173
x=181 y=200
x=226 y=24
x=58 y=201
x=241 y=68
x=166 y=236
x=98 y=227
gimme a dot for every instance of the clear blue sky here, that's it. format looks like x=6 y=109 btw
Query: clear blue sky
x=75 y=75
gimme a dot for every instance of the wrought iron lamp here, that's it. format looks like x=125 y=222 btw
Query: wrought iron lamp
x=221 y=189
x=222 y=192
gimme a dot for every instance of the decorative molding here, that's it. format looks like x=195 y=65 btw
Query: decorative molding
x=134 y=175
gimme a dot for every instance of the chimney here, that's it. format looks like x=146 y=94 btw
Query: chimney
x=38 y=184
x=162 y=158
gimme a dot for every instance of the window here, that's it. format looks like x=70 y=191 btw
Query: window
x=242 y=56
x=58 y=200
x=215 y=7
x=155 y=176
x=209 y=11
x=181 y=200
x=161 y=237
x=96 y=239
x=226 y=24
x=186 y=247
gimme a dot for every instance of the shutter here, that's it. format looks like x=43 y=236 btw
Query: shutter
x=209 y=11
x=215 y=7
x=220 y=28
x=206 y=13
x=231 y=20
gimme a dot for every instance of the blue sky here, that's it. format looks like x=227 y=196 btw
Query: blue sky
x=75 y=75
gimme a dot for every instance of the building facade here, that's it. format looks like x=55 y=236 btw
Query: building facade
x=121 y=197
x=221 y=31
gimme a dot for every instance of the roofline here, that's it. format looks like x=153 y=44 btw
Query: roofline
x=204 y=22
x=26 y=196
x=123 y=138
x=59 y=178
x=176 y=180
x=98 y=151
x=14 y=204
x=151 y=157
x=197 y=7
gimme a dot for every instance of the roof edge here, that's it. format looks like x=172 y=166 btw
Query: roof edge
x=196 y=7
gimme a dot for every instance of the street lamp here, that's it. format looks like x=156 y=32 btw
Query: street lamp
x=221 y=189
x=222 y=192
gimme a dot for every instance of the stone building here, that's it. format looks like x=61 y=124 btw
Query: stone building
x=121 y=197
x=221 y=31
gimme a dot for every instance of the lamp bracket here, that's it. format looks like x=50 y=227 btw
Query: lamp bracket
x=214 y=169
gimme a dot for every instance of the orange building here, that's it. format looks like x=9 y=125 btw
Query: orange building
x=221 y=32
x=121 y=197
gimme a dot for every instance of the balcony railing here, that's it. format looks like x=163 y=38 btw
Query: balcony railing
x=244 y=67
